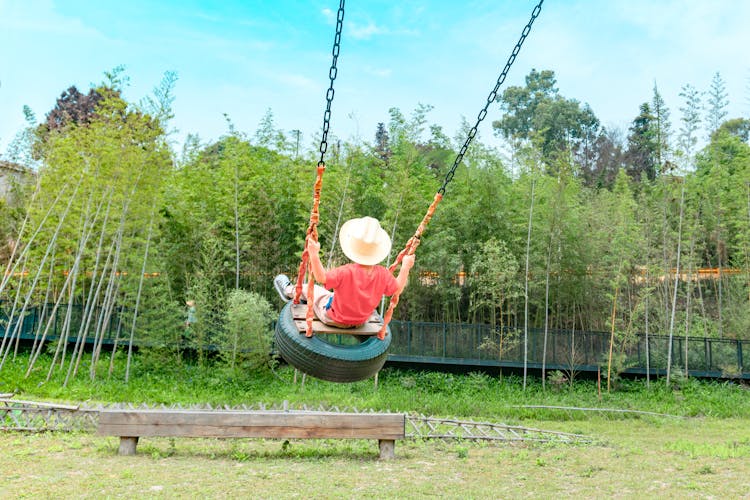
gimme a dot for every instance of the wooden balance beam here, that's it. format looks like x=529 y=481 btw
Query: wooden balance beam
x=129 y=425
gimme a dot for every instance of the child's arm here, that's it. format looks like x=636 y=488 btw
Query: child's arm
x=313 y=249
x=403 y=275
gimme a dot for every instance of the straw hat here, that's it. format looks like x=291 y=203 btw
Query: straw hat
x=364 y=241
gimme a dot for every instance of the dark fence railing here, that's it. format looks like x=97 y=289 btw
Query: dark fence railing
x=484 y=346
x=475 y=345
x=35 y=321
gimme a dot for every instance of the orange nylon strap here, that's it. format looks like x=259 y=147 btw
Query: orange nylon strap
x=312 y=232
x=410 y=249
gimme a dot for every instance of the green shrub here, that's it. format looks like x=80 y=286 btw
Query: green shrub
x=245 y=341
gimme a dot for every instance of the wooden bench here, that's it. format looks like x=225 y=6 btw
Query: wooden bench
x=299 y=313
x=129 y=425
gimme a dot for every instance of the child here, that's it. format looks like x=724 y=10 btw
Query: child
x=357 y=287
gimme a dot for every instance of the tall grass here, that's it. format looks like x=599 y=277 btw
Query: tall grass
x=474 y=396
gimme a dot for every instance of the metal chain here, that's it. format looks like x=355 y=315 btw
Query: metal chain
x=491 y=97
x=332 y=76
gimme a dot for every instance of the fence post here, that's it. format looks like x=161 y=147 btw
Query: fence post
x=478 y=339
x=638 y=353
x=34 y=318
x=739 y=355
x=422 y=336
x=706 y=366
x=408 y=337
x=445 y=338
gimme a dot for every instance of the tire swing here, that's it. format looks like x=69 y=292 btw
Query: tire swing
x=322 y=359
x=313 y=354
x=363 y=358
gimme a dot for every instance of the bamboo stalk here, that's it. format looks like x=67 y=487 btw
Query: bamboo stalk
x=676 y=278
x=526 y=290
x=114 y=279
x=43 y=312
x=138 y=296
x=88 y=314
x=338 y=220
x=48 y=252
x=236 y=226
x=92 y=298
x=113 y=287
x=648 y=295
x=8 y=335
x=19 y=324
x=51 y=319
x=104 y=324
x=393 y=236
x=19 y=237
x=747 y=253
x=546 y=311
x=689 y=296
x=10 y=271
x=52 y=244
x=612 y=331
x=719 y=248
x=116 y=342
x=86 y=231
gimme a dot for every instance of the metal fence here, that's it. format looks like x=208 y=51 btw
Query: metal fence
x=35 y=320
x=484 y=346
x=477 y=345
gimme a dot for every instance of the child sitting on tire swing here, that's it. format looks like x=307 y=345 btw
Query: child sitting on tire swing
x=358 y=286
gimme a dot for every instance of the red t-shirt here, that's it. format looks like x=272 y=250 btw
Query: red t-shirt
x=356 y=292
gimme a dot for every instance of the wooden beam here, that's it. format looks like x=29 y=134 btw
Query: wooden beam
x=371 y=327
x=131 y=424
x=320 y=327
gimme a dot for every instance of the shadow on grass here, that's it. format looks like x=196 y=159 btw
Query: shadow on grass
x=244 y=450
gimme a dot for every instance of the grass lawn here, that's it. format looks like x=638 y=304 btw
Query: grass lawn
x=701 y=451
x=651 y=457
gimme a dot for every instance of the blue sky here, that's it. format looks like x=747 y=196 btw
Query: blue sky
x=244 y=57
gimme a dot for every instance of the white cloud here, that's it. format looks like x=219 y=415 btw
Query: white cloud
x=329 y=15
x=41 y=18
x=360 y=32
x=297 y=81
x=379 y=72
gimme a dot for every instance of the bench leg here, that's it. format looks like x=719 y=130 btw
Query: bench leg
x=387 y=449
x=128 y=444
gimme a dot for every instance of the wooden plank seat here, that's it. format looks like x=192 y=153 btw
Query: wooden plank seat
x=130 y=425
x=299 y=313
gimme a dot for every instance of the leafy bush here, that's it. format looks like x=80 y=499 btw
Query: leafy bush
x=556 y=379
x=245 y=340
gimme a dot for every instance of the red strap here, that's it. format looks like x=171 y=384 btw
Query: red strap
x=312 y=232
x=410 y=249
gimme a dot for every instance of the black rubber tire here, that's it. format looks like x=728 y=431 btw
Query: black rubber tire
x=320 y=359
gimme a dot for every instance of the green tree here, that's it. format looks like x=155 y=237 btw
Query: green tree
x=382 y=145
x=98 y=185
x=717 y=101
x=268 y=136
x=642 y=152
x=738 y=127
x=609 y=157
x=493 y=281
x=537 y=113
x=661 y=131
x=724 y=173
x=691 y=119
x=245 y=341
